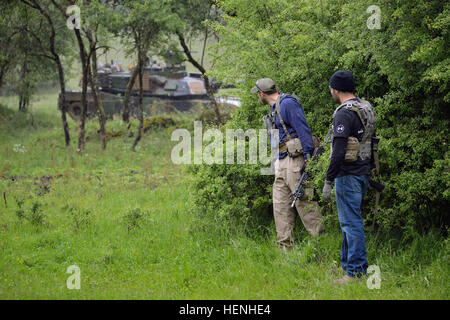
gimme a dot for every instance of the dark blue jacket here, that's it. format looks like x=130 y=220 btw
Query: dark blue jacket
x=294 y=119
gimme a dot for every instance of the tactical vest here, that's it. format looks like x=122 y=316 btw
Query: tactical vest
x=368 y=117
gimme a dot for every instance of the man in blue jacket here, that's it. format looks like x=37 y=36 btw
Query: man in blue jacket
x=295 y=147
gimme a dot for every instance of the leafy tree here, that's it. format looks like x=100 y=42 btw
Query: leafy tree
x=62 y=5
x=139 y=23
x=193 y=18
x=22 y=61
x=86 y=32
x=93 y=29
x=53 y=48
x=9 y=39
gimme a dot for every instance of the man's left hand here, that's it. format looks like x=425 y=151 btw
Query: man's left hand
x=326 y=192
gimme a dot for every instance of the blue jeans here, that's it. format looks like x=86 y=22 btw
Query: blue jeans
x=349 y=191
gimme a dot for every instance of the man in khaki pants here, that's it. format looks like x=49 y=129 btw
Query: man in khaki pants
x=295 y=146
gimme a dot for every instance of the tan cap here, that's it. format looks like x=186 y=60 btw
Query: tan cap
x=264 y=85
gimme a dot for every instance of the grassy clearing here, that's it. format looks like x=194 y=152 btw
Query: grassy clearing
x=127 y=220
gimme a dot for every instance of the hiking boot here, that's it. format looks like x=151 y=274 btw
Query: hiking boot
x=337 y=271
x=344 y=280
x=284 y=248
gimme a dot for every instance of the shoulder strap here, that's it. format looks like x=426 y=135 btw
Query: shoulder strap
x=356 y=109
x=349 y=105
x=278 y=110
x=338 y=108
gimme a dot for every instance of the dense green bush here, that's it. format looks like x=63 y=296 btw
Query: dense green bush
x=402 y=68
x=234 y=190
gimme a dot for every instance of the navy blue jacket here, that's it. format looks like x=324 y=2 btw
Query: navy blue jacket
x=294 y=119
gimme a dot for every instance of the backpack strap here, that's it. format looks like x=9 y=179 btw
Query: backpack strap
x=356 y=109
x=278 y=110
x=340 y=107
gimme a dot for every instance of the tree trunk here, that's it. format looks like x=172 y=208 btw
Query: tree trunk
x=24 y=88
x=126 y=100
x=204 y=45
x=208 y=87
x=62 y=101
x=98 y=104
x=3 y=70
x=140 y=107
x=85 y=67
x=21 y=108
x=56 y=58
x=94 y=89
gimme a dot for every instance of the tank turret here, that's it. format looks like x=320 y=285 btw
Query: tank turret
x=168 y=81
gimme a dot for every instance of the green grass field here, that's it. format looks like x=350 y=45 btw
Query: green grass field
x=127 y=220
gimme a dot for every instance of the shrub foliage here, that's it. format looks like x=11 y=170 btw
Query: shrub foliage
x=402 y=68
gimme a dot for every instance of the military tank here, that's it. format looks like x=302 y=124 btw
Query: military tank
x=164 y=87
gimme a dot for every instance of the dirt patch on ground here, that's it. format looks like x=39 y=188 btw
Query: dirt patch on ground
x=41 y=183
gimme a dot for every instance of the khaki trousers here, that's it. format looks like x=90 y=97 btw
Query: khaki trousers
x=287 y=176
